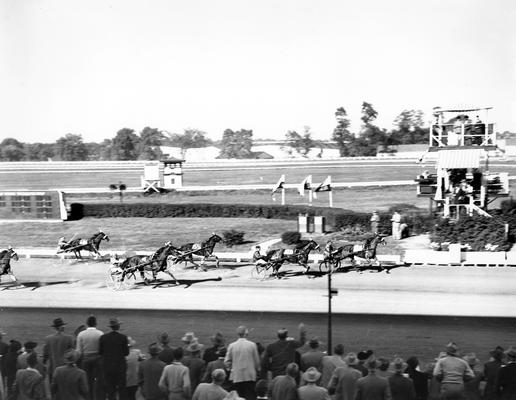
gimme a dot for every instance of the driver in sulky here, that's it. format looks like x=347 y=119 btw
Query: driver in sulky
x=258 y=258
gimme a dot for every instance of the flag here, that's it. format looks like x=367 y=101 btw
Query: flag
x=305 y=184
x=279 y=185
x=325 y=186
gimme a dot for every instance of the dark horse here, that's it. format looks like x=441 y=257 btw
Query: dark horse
x=277 y=257
x=5 y=262
x=157 y=262
x=76 y=245
x=204 y=249
x=368 y=252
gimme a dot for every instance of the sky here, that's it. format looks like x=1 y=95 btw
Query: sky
x=94 y=67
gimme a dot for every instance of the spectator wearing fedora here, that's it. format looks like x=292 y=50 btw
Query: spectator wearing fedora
x=133 y=360
x=10 y=363
x=149 y=374
x=56 y=346
x=210 y=354
x=29 y=382
x=195 y=364
x=188 y=338
x=383 y=368
x=419 y=378
x=472 y=387
x=167 y=353
x=69 y=382
x=212 y=390
x=88 y=348
x=313 y=357
x=243 y=361
x=113 y=348
x=402 y=388
x=311 y=391
x=506 y=381
x=218 y=364
x=491 y=372
x=284 y=387
x=452 y=371
x=331 y=363
x=282 y=352
x=175 y=379
x=29 y=348
x=371 y=386
x=362 y=357
x=3 y=351
x=344 y=379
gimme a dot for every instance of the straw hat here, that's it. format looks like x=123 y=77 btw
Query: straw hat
x=189 y=337
x=311 y=375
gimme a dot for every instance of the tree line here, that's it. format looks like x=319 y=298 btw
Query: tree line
x=128 y=145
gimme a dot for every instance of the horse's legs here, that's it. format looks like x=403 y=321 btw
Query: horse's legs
x=141 y=270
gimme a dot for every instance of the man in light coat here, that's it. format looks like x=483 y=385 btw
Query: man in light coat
x=372 y=387
x=243 y=361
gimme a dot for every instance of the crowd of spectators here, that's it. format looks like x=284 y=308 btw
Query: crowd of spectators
x=93 y=365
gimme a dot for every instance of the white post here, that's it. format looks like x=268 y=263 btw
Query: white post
x=310 y=195
x=282 y=196
x=330 y=198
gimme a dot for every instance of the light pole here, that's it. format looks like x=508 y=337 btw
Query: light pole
x=331 y=292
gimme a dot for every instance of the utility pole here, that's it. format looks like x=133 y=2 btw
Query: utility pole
x=329 y=350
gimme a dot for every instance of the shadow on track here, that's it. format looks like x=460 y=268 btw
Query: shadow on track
x=179 y=282
x=31 y=285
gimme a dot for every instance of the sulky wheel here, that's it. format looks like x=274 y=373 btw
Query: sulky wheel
x=259 y=272
x=114 y=278
x=129 y=281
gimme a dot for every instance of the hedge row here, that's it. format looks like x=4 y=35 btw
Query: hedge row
x=335 y=217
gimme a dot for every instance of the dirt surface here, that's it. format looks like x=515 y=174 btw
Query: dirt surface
x=421 y=290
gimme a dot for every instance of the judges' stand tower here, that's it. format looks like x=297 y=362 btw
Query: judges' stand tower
x=464 y=139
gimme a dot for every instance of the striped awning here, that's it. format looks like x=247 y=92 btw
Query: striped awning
x=466 y=158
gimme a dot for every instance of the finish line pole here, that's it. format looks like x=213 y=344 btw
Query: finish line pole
x=329 y=350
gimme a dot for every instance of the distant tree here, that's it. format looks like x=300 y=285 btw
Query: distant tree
x=39 y=151
x=106 y=149
x=341 y=133
x=190 y=139
x=11 y=150
x=71 y=148
x=236 y=144
x=371 y=136
x=149 y=145
x=124 y=145
x=409 y=127
x=94 y=150
x=300 y=143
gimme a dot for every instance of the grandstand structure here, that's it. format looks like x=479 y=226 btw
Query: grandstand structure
x=464 y=139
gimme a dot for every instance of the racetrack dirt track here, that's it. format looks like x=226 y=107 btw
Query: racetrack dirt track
x=406 y=290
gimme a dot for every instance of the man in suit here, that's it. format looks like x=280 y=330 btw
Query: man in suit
x=113 y=348
x=372 y=387
x=88 y=348
x=243 y=361
x=284 y=387
x=344 y=379
x=56 y=346
x=149 y=374
x=452 y=371
x=402 y=388
x=506 y=382
x=282 y=352
x=491 y=372
x=70 y=382
x=29 y=382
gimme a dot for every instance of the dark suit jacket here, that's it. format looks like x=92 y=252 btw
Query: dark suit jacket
x=506 y=383
x=401 y=388
x=372 y=387
x=490 y=373
x=113 y=347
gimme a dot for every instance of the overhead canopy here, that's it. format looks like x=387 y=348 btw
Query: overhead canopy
x=466 y=158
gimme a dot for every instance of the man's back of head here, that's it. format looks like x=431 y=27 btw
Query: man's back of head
x=292 y=370
x=178 y=353
x=242 y=331
x=91 y=321
x=339 y=349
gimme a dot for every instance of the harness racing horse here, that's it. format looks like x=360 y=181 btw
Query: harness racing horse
x=92 y=245
x=154 y=263
x=204 y=249
x=5 y=262
x=368 y=253
x=277 y=257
